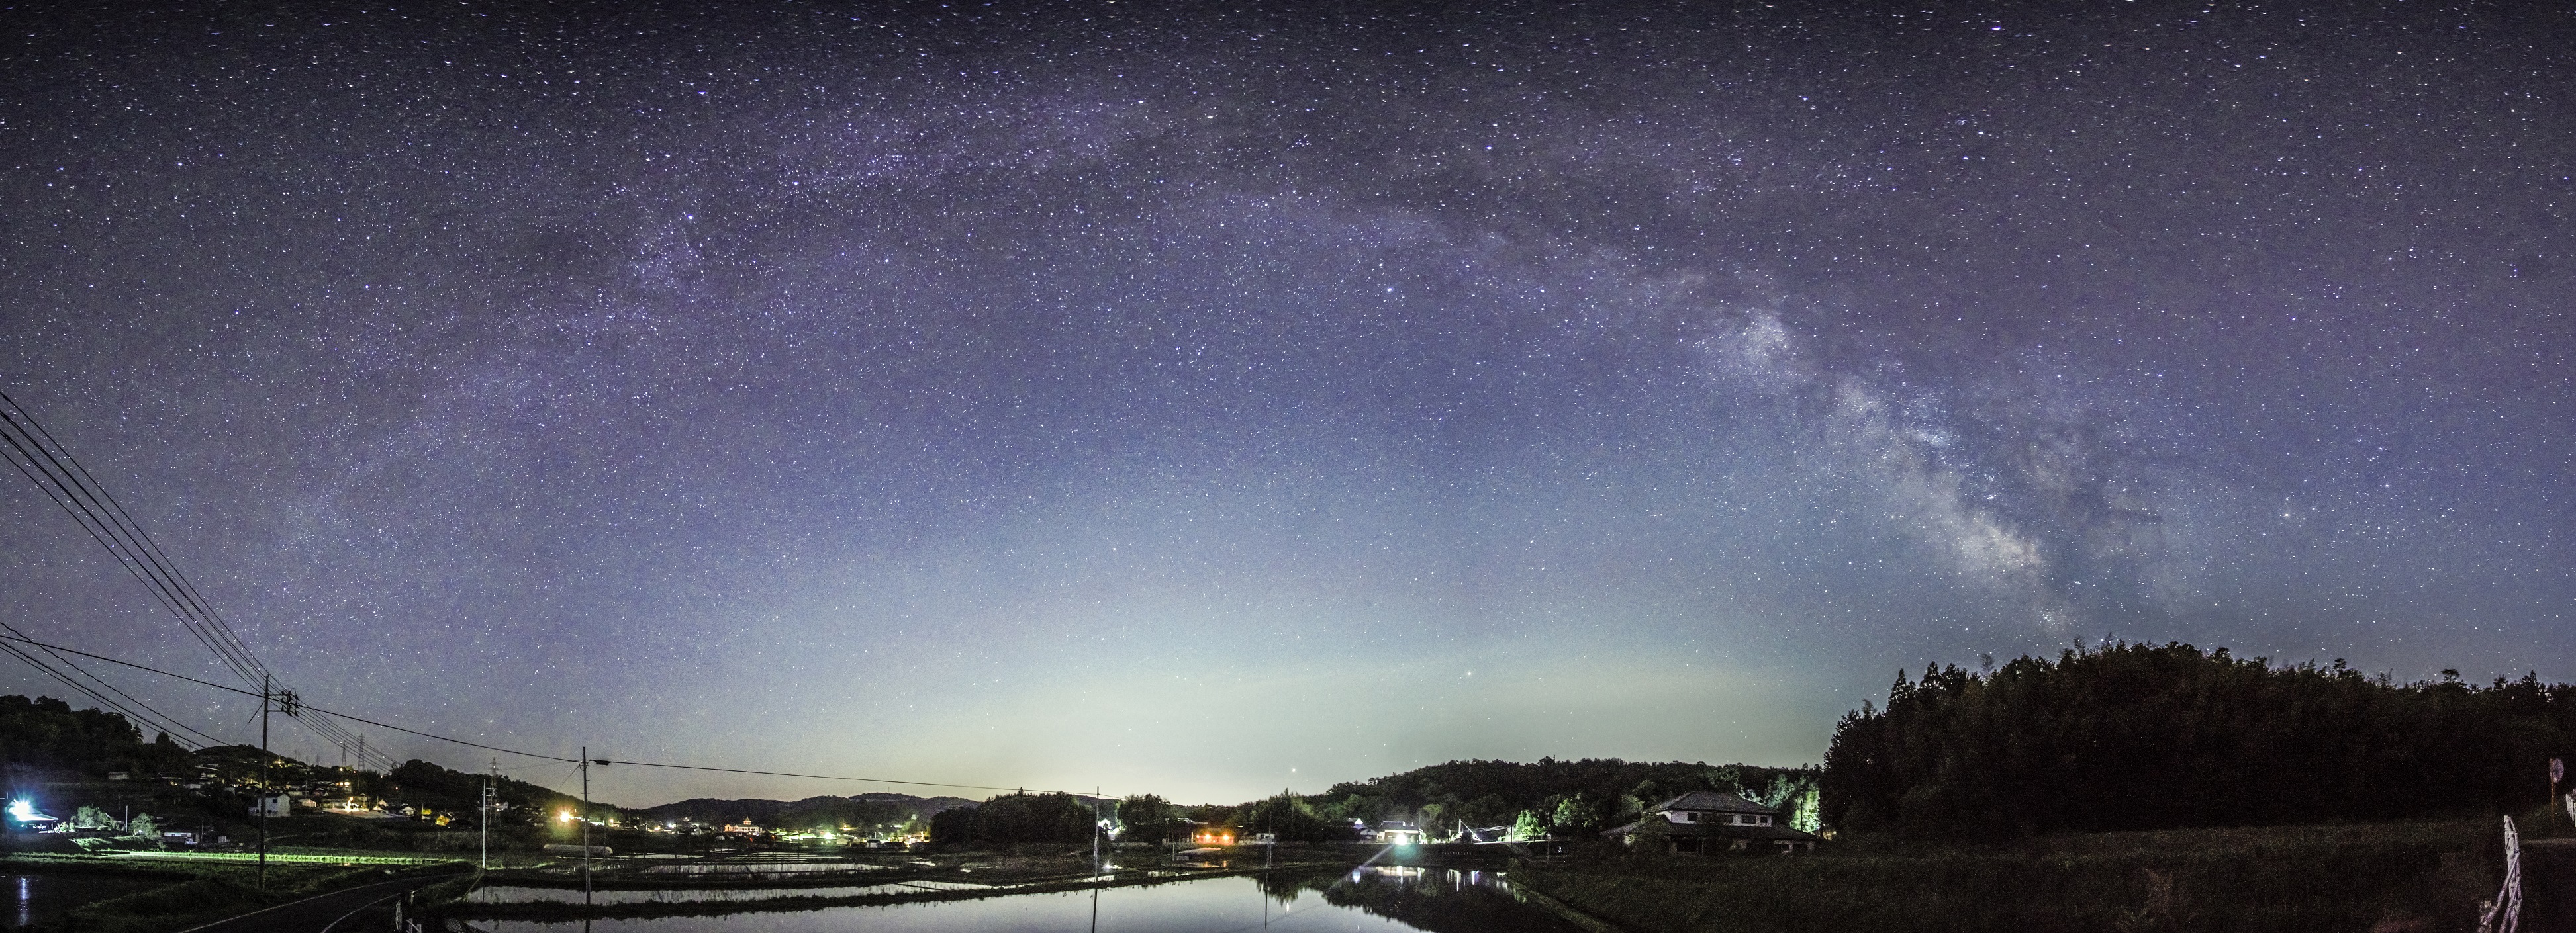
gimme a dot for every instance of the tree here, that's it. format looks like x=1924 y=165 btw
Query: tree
x=1525 y=828
x=1431 y=819
x=1795 y=796
x=1291 y=818
x=955 y=824
x=1571 y=814
x=1146 y=816
x=142 y=827
x=1016 y=818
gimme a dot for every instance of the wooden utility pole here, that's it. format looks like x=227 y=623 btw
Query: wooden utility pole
x=271 y=699
x=585 y=825
x=484 y=861
x=260 y=802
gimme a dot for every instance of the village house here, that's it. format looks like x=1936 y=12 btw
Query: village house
x=1707 y=821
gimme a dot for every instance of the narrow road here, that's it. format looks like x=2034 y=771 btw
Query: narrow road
x=316 y=914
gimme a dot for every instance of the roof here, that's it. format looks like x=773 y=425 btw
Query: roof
x=1717 y=801
x=1719 y=831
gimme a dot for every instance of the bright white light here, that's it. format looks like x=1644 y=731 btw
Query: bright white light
x=21 y=810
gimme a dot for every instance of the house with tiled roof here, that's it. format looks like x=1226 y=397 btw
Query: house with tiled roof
x=1707 y=822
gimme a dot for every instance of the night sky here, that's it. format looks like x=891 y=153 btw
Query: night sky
x=1206 y=401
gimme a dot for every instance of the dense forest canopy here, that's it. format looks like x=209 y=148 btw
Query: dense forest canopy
x=1017 y=818
x=2136 y=736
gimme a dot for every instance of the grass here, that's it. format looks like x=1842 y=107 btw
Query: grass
x=2426 y=876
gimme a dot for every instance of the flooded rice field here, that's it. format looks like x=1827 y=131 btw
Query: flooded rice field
x=1380 y=898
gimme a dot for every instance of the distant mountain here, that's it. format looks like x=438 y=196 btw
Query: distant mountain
x=867 y=810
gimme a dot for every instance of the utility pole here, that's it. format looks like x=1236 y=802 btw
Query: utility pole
x=585 y=825
x=270 y=700
x=1095 y=831
x=484 y=861
x=260 y=802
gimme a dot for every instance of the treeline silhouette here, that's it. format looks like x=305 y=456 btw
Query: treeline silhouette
x=1016 y=818
x=2138 y=736
x=44 y=734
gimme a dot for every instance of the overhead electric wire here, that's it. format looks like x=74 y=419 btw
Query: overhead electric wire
x=51 y=466
x=512 y=751
x=823 y=777
x=97 y=512
x=83 y=689
x=186 y=587
x=307 y=707
x=158 y=720
x=150 y=550
x=89 y=522
x=46 y=462
x=155 y=718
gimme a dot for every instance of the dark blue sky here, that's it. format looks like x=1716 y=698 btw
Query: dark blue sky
x=1203 y=402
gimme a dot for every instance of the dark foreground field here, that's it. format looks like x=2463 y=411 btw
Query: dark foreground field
x=178 y=892
x=2414 y=876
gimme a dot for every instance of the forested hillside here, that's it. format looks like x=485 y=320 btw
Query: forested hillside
x=46 y=734
x=2134 y=736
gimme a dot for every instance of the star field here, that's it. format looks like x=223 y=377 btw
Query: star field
x=1168 y=397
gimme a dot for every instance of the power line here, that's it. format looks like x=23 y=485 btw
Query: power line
x=84 y=689
x=187 y=587
x=36 y=471
x=34 y=451
x=308 y=707
x=157 y=719
x=824 y=777
x=44 y=461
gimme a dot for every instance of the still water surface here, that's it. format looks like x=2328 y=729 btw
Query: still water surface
x=1370 y=900
x=33 y=899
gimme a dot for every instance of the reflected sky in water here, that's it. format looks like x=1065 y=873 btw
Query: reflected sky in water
x=1438 y=900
